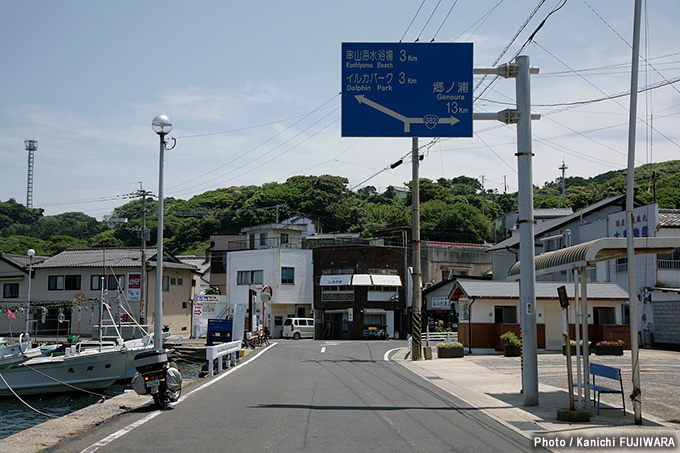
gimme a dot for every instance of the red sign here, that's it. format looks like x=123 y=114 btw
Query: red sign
x=134 y=280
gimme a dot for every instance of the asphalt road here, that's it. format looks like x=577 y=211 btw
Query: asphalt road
x=307 y=396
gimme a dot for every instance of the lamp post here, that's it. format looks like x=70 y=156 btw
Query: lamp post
x=31 y=253
x=162 y=126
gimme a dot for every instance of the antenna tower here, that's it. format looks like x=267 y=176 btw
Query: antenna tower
x=31 y=147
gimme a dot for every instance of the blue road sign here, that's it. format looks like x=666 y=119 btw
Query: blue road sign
x=407 y=90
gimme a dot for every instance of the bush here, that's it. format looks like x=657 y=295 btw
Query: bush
x=511 y=339
x=449 y=345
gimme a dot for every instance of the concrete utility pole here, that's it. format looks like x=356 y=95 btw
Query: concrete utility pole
x=417 y=294
x=563 y=168
x=630 y=189
x=527 y=286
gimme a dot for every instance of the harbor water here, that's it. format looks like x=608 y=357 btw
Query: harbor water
x=15 y=416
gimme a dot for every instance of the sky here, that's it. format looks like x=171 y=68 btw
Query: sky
x=253 y=90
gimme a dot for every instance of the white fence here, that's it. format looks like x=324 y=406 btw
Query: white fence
x=435 y=337
x=219 y=351
x=439 y=337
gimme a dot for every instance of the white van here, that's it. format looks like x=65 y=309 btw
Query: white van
x=297 y=328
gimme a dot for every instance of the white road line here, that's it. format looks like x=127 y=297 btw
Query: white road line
x=120 y=433
x=387 y=354
x=323 y=350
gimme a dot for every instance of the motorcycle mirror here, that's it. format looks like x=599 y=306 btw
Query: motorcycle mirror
x=145 y=341
x=180 y=339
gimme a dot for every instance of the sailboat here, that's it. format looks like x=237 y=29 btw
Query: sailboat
x=87 y=365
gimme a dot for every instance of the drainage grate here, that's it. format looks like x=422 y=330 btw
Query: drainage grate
x=527 y=426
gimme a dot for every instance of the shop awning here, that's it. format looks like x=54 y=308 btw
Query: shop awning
x=337 y=310
x=374 y=311
x=361 y=280
x=335 y=280
x=386 y=280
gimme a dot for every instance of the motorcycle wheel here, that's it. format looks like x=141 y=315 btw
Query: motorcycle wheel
x=175 y=395
x=160 y=401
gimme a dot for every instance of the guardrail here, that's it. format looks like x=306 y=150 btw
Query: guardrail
x=219 y=351
x=439 y=337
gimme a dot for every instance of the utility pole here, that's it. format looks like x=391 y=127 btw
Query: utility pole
x=144 y=235
x=483 y=177
x=563 y=168
x=630 y=181
x=417 y=294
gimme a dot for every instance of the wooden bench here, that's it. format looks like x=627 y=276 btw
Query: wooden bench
x=609 y=372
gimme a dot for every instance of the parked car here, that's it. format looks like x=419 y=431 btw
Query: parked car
x=297 y=328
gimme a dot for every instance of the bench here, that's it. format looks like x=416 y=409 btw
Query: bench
x=609 y=372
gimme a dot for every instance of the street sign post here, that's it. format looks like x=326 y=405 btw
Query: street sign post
x=407 y=90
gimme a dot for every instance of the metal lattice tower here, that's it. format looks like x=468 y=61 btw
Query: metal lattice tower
x=31 y=147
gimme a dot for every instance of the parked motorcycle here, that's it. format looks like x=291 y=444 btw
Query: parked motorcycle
x=158 y=377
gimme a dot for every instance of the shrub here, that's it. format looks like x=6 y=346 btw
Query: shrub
x=511 y=339
x=449 y=345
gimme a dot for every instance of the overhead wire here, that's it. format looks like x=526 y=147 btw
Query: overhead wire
x=428 y=20
x=258 y=146
x=444 y=21
x=413 y=19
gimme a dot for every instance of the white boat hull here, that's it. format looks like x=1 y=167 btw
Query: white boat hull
x=89 y=369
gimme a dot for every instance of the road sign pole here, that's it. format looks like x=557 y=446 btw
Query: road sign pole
x=417 y=293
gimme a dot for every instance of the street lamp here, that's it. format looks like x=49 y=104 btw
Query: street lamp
x=162 y=126
x=31 y=253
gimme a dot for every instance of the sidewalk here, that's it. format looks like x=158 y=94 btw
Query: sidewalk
x=497 y=393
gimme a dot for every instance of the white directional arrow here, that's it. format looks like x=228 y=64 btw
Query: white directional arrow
x=429 y=120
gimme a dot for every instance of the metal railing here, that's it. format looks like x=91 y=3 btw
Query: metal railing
x=673 y=265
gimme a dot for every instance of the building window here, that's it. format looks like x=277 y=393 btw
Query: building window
x=166 y=283
x=505 y=315
x=55 y=282
x=669 y=261
x=173 y=281
x=249 y=277
x=10 y=291
x=218 y=263
x=337 y=293
x=604 y=315
x=287 y=275
x=111 y=282
x=263 y=240
x=184 y=305
x=72 y=283
x=621 y=265
x=180 y=282
x=285 y=238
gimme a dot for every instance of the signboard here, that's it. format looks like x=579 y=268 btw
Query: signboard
x=407 y=89
x=464 y=310
x=134 y=286
x=207 y=307
x=644 y=222
x=441 y=303
x=239 y=325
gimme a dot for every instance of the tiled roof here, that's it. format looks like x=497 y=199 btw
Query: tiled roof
x=496 y=289
x=22 y=261
x=669 y=218
x=114 y=257
x=458 y=244
x=552 y=212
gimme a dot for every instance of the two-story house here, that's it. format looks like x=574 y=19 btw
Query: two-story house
x=67 y=289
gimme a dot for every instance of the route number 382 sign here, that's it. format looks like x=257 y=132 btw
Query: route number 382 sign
x=407 y=89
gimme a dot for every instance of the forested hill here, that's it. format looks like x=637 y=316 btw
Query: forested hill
x=455 y=210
